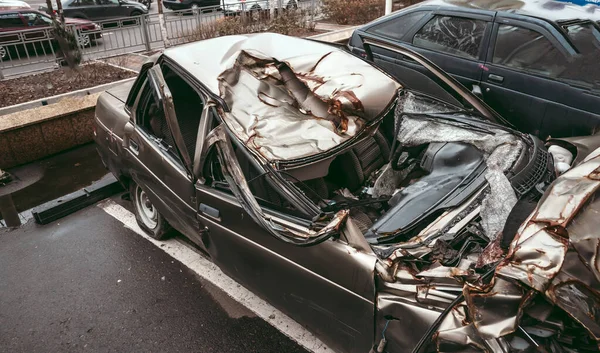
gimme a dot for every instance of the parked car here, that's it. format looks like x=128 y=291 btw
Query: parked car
x=190 y=4
x=26 y=33
x=100 y=9
x=13 y=5
x=535 y=62
x=236 y=7
x=371 y=213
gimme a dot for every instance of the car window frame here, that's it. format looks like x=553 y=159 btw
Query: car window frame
x=427 y=15
x=136 y=88
x=18 y=15
x=548 y=35
x=485 y=41
x=219 y=138
x=175 y=161
x=39 y=14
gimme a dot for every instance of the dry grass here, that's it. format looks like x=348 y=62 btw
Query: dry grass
x=290 y=22
x=32 y=87
x=353 y=12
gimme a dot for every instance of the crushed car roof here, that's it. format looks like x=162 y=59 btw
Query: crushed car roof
x=287 y=97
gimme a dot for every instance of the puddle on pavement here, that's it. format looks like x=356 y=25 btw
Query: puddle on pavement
x=64 y=173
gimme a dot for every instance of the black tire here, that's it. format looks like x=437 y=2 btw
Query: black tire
x=157 y=227
x=135 y=13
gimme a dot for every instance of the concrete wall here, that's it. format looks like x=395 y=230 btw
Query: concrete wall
x=36 y=133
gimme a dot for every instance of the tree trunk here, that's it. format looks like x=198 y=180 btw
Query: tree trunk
x=163 y=24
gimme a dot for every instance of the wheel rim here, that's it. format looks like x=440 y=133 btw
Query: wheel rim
x=84 y=40
x=147 y=212
x=2 y=52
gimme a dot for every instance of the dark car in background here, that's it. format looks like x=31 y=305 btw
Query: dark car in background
x=100 y=9
x=189 y=4
x=534 y=62
x=27 y=33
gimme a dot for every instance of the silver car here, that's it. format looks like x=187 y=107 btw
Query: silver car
x=385 y=216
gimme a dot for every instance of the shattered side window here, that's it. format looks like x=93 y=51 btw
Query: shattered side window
x=452 y=35
x=397 y=27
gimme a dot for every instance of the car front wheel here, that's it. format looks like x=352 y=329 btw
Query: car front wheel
x=146 y=215
x=83 y=39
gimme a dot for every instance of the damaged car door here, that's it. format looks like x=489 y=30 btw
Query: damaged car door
x=328 y=287
x=157 y=155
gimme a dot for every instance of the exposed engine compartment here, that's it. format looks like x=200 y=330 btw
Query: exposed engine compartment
x=441 y=213
x=441 y=166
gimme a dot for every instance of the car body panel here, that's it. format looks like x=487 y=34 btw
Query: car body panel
x=328 y=287
x=186 y=4
x=99 y=9
x=318 y=267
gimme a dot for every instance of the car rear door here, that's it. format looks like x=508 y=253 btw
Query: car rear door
x=109 y=8
x=87 y=9
x=154 y=158
x=521 y=81
x=328 y=287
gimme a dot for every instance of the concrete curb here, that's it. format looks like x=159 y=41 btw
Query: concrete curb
x=51 y=100
x=64 y=206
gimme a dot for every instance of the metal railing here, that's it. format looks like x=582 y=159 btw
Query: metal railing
x=36 y=49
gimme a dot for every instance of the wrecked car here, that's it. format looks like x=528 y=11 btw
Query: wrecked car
x=381 y=218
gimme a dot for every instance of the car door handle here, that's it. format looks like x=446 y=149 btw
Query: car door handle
x=496 y=78
x=210 y=212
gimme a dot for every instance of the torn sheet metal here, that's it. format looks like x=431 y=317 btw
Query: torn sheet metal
x=279 y=228
x=500 y=148
x=554 y=255
x=286 y=107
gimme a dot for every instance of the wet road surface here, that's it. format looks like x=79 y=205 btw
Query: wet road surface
x=87 y=283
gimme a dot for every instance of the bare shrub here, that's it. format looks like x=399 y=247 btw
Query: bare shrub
x=289 y=22
x=353 y=12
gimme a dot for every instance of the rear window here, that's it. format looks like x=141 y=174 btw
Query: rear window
x=453 y=35
x=398 y=27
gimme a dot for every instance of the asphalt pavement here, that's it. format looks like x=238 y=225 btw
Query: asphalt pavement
x=88 y=283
